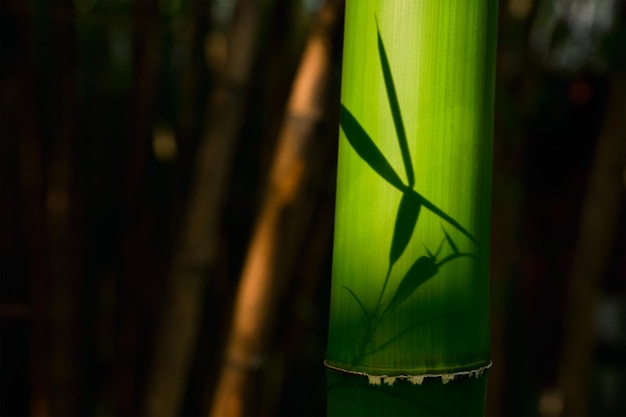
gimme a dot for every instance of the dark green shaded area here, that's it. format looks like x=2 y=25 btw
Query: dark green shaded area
x=353 y=395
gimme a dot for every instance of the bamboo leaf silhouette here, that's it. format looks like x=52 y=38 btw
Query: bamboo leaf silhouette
x=449 y=239
x=438 y=250
x=395 y=110
x=358 y=301
x=454 y=256
x=430 y=206
x=430 y=254
x=421 y=271
x=408 y=212
x=367 y=150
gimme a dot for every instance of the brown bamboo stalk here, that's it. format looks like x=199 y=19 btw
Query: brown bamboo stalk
x=600 y=217
x=197 y=243
x=256 y=298
x=122 y=382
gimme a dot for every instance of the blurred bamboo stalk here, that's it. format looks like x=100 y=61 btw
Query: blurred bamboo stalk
x=256 y=298
x=196 y=249
x=599 y=227
x=122 y=383
x=312 y=269
x=44 y=156
x=64 y=238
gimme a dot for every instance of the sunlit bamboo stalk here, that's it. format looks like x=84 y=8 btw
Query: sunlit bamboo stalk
x=409 y=319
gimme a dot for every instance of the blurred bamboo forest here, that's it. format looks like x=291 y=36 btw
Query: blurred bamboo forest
x=140 y=142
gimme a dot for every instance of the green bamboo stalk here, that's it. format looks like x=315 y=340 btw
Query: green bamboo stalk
x=409 y=294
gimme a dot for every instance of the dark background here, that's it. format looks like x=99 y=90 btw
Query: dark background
x=104 y=104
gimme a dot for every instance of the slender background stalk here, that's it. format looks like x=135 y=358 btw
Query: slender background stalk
x=257 y=297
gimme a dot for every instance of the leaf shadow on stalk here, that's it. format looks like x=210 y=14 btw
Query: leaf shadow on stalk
x=421 y=271
x=411 y=203
x=365 y=147
x=395 y=110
